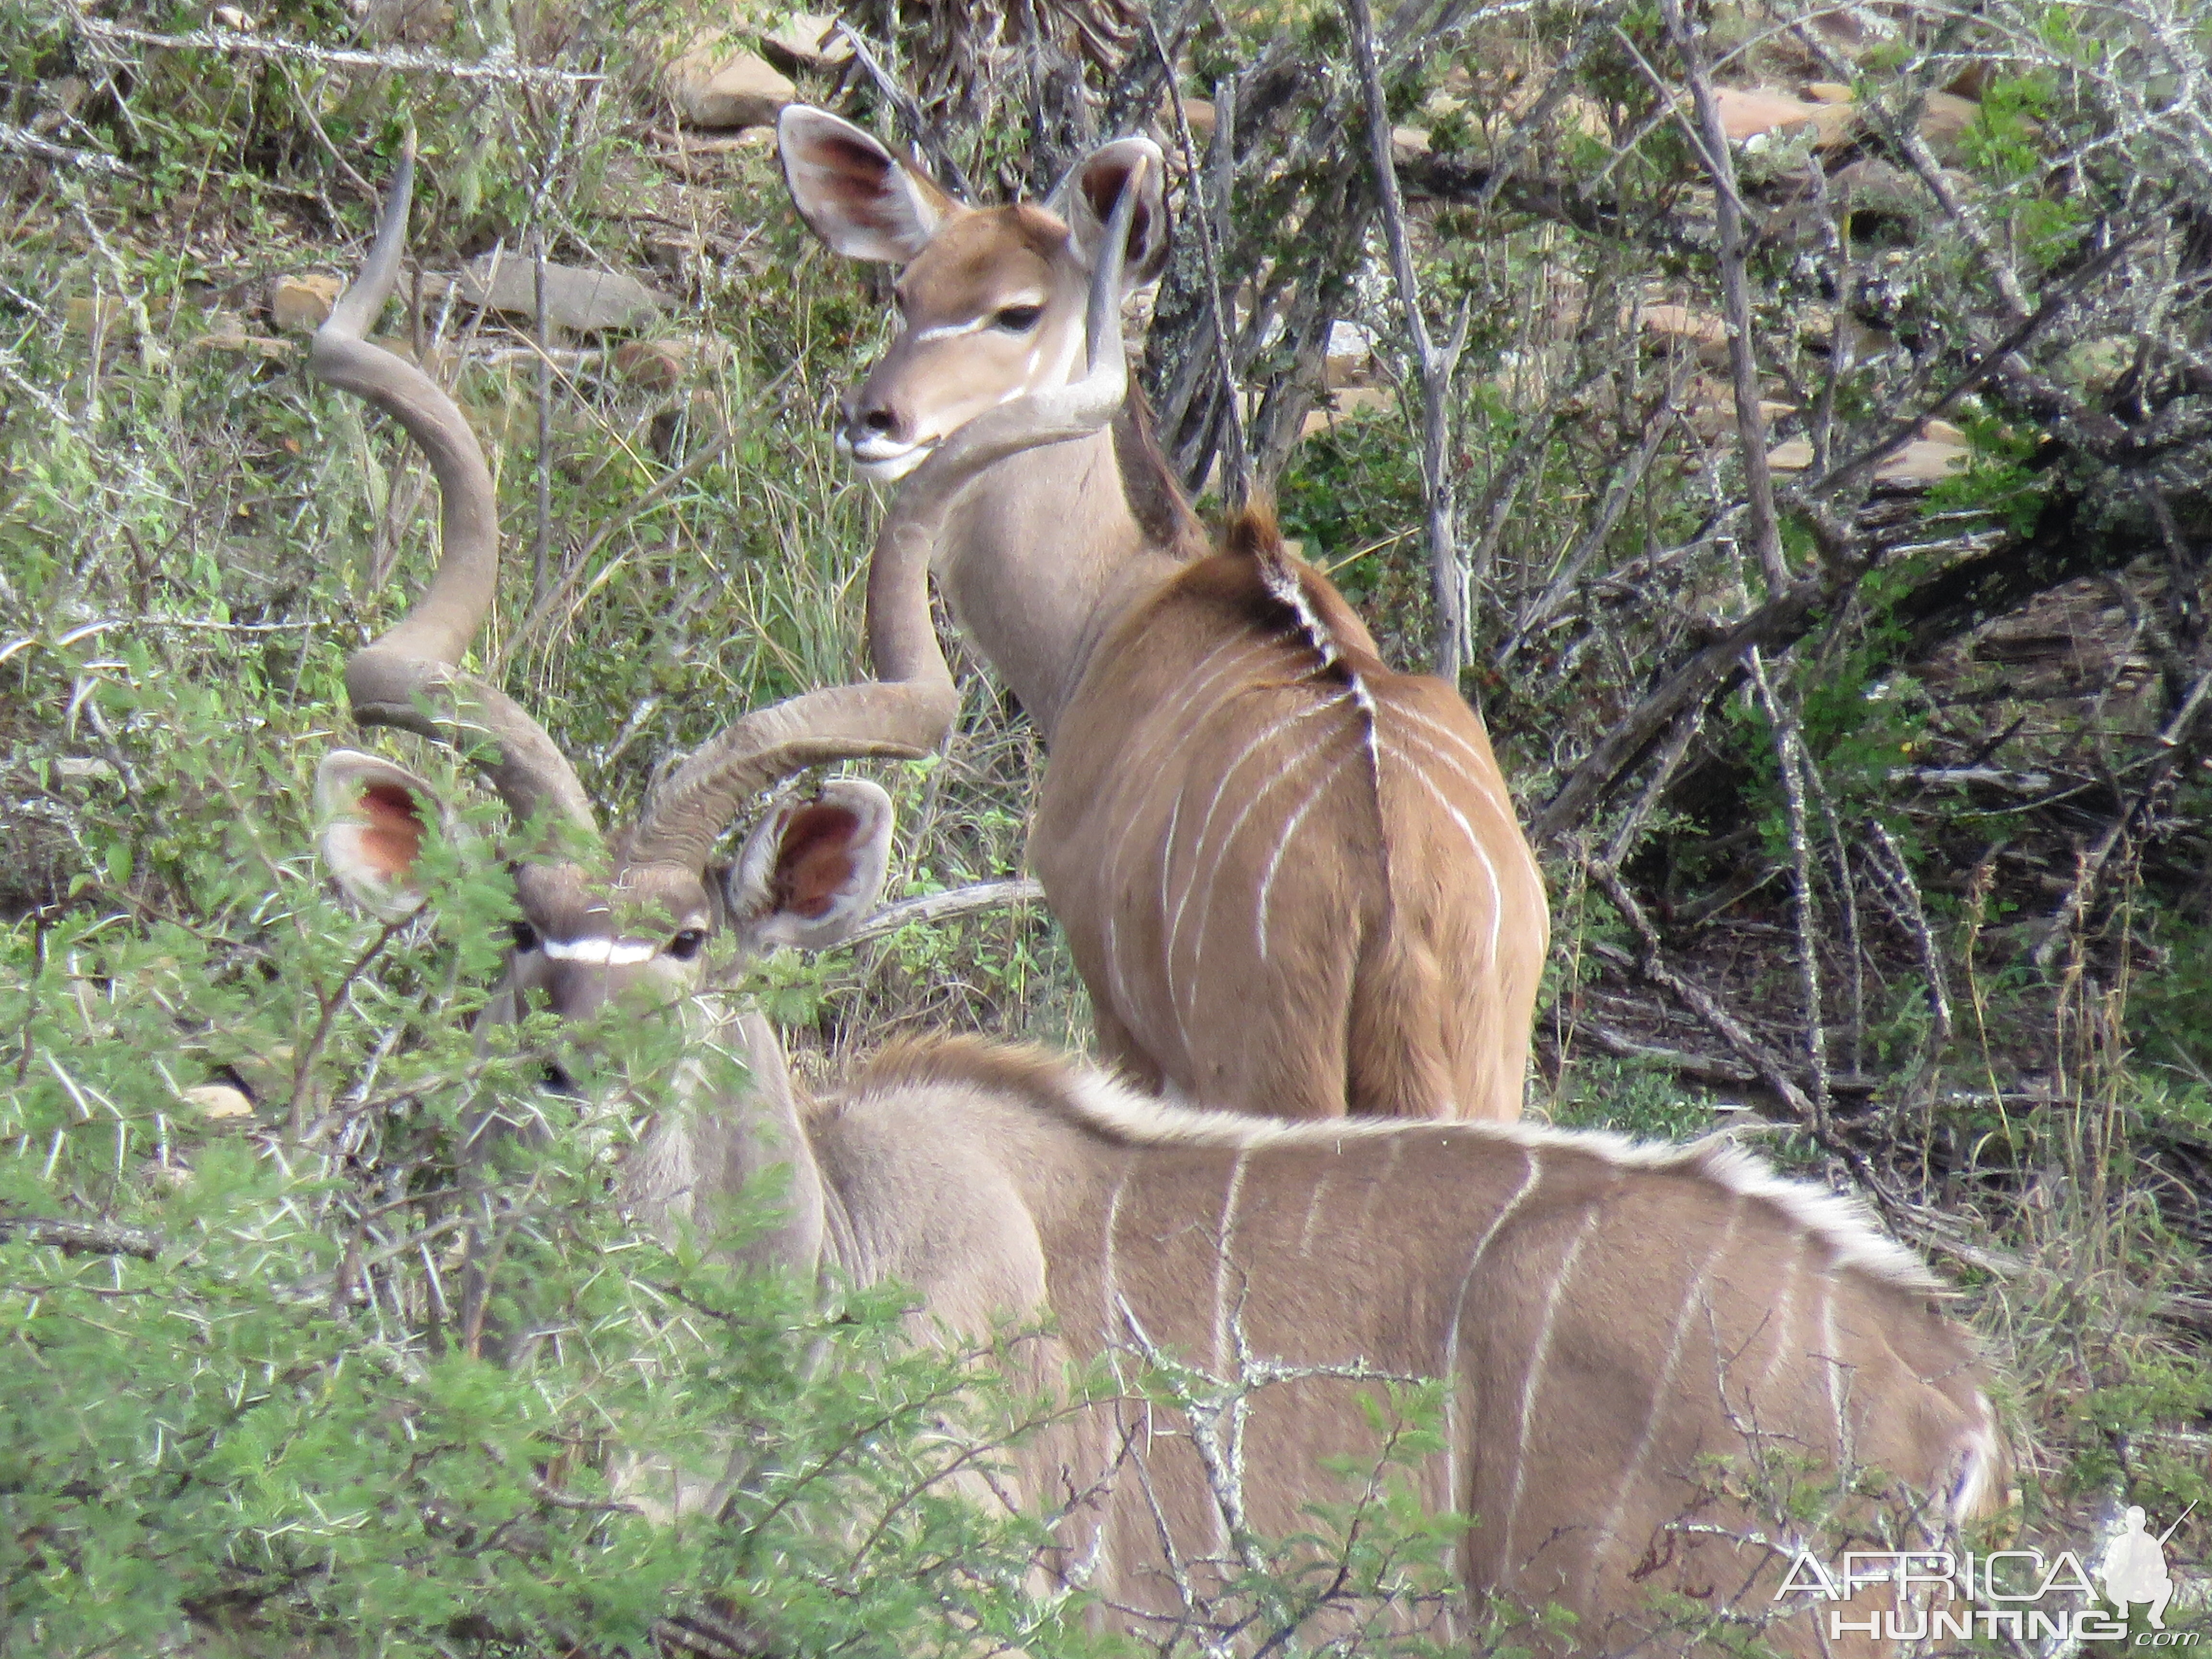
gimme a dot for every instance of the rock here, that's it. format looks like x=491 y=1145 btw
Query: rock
x=109 y=314
x=301 y=305
x=1344 y=404
x=218 y=1100
x=1940 y=448
x=1925 y=460
x=1408 y=144
x=1943 y=122
x=657 y=365
x=582 y=301
x=808 y=40
x=1199 y=111
x=1710 y=404
x=407 y=22
x=225 y=331
x=1705 y=327
x=719 y=88
x=1835 y=125
x=1351 y=356
x=1747 y=112
x=1704 y=332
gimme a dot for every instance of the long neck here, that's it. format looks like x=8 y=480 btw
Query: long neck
x=701 y=1155
x=1044 y=550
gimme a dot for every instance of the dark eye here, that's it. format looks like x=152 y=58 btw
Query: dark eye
x=525 y=936
x=685 y=945
x=1018 y=319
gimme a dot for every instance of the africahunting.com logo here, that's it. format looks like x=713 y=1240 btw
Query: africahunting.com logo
x=2022 y=1594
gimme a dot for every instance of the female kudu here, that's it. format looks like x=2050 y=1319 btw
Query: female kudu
x=1291 y=879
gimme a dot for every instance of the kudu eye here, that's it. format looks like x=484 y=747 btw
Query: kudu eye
x=685 y=945
x=525 y=936
x=1018 y=319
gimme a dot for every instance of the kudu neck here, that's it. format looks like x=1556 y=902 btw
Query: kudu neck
x=1044 y=551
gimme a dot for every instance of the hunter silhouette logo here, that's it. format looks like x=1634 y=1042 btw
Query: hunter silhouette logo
x=2134 y=1568
x=2021 y=1594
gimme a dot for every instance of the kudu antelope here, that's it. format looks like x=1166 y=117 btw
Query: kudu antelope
x=1291 y=879
x=1614 y=1323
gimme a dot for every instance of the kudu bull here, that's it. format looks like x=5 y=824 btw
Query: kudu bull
x=1612 y=1322
x=1291 y=879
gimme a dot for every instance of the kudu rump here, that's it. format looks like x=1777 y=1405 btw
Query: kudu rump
x=1291 y=879
x=1613 y=1323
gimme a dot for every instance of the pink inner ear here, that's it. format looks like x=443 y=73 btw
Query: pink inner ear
x=392 y=839
x=858 y=180
x=814 y=859
x=1104 y=185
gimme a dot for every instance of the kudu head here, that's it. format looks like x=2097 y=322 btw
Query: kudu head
x=994 y=303
x=602 y=914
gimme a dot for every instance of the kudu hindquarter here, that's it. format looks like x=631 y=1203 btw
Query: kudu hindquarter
x=1291 y=879
x=1614 y=1323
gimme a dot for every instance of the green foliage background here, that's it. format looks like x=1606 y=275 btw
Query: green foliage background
x=258 y=1428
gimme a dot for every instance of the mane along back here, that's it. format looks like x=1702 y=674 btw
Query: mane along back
x=1156 y=497
x=1111 y=1113
x=1280 y=590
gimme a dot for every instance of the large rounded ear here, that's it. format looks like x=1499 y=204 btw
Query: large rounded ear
x=855 y=194
x=373 y=816
x=1084 y=201
x=813 y=870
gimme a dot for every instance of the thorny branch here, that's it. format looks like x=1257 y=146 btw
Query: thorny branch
x=1434 y=365
x=498 y=64
x=82 y=1237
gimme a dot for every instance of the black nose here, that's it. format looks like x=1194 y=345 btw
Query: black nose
x=870 y=418
x=560 y=1083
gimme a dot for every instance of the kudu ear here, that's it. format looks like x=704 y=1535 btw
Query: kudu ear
x=855 y=194
x=813 y=868
x=1084 y=201
x=373 y=817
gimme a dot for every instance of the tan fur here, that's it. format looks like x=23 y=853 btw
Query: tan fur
x=1229 y=757
x=1635 y=1336
x=1367 y=937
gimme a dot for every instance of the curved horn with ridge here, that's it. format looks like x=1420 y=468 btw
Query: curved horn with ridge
x=691 y=808
x=901 y=637
x=410 y=677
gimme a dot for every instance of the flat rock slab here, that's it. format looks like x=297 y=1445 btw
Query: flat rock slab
x=1939 y=450
x=581 y=302
x=810 y=40
x=724 y=89
x=301 y=305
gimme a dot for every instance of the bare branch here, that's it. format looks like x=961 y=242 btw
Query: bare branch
x=82 y=1237
x=1433 y=363
x=934 y=908
x=498 y=64
x=1735 y=300
x=31 y=143
x=1789 y=756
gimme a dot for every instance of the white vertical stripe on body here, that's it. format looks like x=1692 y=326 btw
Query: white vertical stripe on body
x=1533 y=1382
x=1482 y=853
x=1530 y=1175
x=1693 y=1296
